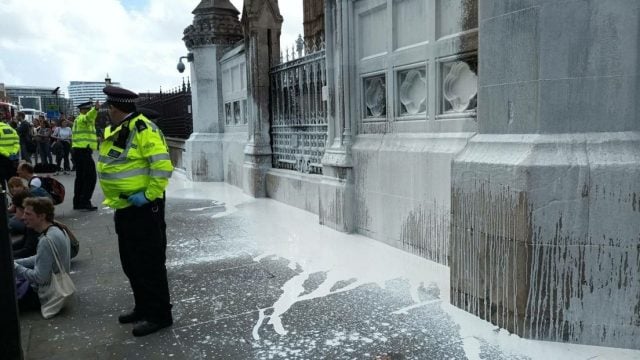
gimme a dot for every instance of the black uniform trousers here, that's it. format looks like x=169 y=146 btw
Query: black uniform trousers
x=7 y=170
x=142 y=242
x=86 y=177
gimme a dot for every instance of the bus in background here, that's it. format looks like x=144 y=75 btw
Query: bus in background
x=7 y=111
x=31 y=114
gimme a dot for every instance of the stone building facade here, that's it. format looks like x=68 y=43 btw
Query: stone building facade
x=498 y=138
x=313 y=20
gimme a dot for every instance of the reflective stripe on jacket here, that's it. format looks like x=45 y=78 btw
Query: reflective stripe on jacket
x=9 y=140
x=83 y=132
x=142 y=163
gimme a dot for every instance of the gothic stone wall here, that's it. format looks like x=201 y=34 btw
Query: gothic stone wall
x=415 y=85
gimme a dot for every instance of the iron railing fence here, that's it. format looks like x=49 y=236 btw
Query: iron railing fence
x=173 y=109
x=299 y=113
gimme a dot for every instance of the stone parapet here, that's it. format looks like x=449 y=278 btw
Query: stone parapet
x=545 y=232
x=402 y=189
x=203 y=157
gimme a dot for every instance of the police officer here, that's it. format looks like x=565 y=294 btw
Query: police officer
x=134 y=169
x=9 y=150
x=83 y=142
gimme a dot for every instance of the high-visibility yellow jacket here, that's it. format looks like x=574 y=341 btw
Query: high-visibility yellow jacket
x=9 y=140
x=83 y=132
x=133 y=157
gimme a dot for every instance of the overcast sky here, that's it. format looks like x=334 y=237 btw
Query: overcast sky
x=138 y=42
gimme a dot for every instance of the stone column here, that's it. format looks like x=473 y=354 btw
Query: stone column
x=215 y=27
x=337 y=190
x=546 y=198
x=261 y=22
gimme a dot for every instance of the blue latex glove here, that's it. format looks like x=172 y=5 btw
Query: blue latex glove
x=13 y=157
x=138 y=199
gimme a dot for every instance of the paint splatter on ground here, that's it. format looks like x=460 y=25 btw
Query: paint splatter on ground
x=257 y=279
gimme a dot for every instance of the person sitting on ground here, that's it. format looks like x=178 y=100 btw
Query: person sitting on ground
x=16 y=185
x=25 y=171
x=27 y=241
x=37 y=269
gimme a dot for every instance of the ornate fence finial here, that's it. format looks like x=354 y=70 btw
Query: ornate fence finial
x=322 y=44
x=188 y=84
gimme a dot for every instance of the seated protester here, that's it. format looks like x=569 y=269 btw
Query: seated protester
x=16 y=185
x=25 y=171
x=27 y=242
x=37 y=269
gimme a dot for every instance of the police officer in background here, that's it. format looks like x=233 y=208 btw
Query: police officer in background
x=9 y=150
x=83 y=142
x=134 y=169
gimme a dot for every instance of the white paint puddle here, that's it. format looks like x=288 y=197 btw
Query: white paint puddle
x=279 y=231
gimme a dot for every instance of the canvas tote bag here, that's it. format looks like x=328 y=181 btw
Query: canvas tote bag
x=55 y=295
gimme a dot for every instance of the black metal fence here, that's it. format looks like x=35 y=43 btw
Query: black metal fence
x=299 y=125
x=172 y=110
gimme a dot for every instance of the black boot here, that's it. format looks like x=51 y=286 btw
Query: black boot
x=129 y=317
x=149 y=327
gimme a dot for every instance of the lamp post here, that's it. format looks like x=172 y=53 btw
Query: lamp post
x=55 y=92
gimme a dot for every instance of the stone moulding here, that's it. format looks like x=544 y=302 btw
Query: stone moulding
x=220 y=28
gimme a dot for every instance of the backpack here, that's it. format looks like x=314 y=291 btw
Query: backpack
x=75 y=244
x=53 y=187
x=73 y=240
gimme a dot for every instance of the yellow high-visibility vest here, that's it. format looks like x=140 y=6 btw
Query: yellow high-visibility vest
x=83 y=132
x=133 y=157
x=9 y=140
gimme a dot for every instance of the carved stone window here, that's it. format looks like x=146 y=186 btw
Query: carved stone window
x=375 y=97
x=237 y=118
x=244 y=112
x=412 y=92
x=459 y=86
x=227 y=111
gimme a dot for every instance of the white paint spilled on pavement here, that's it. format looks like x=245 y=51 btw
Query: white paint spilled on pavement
x=472 y=328
x=276 y=229
x=256 y=328
x=341 y=257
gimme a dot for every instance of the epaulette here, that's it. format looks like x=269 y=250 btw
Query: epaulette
x=141 y=125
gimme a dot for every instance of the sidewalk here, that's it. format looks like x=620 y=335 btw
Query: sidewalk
x=257 y=279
